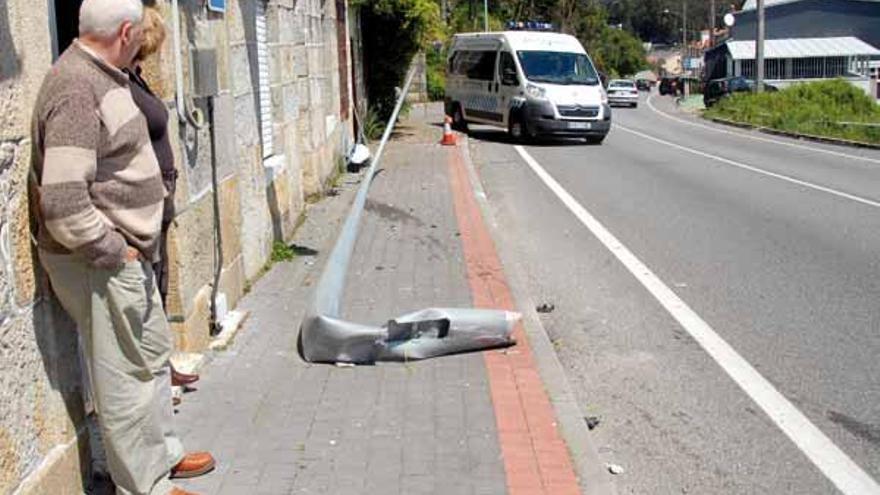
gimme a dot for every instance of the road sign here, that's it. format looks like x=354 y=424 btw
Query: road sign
x=217 y=5
x=693 y=63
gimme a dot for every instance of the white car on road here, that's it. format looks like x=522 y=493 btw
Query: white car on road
x=623 y=92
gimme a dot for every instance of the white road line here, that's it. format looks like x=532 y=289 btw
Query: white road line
x=759 y=138
x=835 y=192
x=833 y=462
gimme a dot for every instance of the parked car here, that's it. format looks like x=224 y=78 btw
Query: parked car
x=643 y=85
x=623 y=92
x=717 y=89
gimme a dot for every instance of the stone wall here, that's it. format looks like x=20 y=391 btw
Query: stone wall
x=261 y=198
x=43 y=446
x=39 y=371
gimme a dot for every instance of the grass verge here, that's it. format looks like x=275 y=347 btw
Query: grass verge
x=834 y=108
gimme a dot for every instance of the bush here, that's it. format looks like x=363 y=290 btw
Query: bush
x=281 y=252
x=406 y=25
x=373 y=125
x=826 y=108
x=436 y=73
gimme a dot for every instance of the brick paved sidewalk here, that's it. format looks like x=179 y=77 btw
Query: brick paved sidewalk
x=278 y=425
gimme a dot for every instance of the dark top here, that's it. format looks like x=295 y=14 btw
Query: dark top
x=157 y=124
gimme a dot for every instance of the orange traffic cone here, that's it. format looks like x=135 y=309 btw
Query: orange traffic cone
x=448 y=136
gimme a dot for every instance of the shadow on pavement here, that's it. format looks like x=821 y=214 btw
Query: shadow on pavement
x=490 y=135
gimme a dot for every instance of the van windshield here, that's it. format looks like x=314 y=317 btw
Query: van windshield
x=557 y=67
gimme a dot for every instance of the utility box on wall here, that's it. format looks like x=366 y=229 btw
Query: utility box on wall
x=205 y=72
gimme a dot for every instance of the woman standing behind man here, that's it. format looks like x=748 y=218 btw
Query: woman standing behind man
x=184 y=465
x=157 y=123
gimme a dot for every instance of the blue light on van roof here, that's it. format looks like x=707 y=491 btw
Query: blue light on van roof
x=530 y=26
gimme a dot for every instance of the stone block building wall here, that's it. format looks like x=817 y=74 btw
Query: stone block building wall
x=261 y=198
x=43 y=441
x=40 y=400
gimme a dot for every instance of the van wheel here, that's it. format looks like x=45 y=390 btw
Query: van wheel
x=518 y=130
x=594 y=140
x=458 y=121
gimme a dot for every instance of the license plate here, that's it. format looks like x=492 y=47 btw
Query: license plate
x=579 y=125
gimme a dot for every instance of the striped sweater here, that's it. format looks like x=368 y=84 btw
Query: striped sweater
x=100 y=187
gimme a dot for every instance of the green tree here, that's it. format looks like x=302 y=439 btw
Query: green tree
x=406 y=25
x=615 y=51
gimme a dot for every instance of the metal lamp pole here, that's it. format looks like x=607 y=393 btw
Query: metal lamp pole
x=486 y=15
x=759 y=49
x=684 y=46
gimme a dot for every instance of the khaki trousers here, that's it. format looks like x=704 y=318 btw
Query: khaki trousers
x=126 y=344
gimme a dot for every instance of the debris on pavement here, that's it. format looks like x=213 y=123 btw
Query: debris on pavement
x=615 y=468
x=545 y=308
x=592 y=422
x=427 y=333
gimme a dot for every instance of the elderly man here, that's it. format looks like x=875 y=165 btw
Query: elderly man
x=100 y=207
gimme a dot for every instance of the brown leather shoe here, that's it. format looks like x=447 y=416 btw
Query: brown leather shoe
x=193 y=464
x=180 y=491
x=179 y=379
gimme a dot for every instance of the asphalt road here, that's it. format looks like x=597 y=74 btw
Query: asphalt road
x=773 y=243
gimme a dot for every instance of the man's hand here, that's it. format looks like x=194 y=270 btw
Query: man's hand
x=131 y=254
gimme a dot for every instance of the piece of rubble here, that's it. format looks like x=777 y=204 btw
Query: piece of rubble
x=615 y=468
x=592 y=421
x=545 y=308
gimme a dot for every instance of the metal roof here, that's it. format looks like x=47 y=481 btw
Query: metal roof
x=750 y=4
x=847 y=46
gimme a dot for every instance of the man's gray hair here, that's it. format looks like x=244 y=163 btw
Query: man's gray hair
x=103 y=18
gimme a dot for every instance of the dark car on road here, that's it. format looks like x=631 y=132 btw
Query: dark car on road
x=719 y=88
x=643 y=85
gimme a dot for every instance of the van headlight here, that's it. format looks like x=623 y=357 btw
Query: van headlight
x=536 y=92
x=604 y=96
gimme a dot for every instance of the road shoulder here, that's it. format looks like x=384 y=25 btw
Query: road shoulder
x=593 y=478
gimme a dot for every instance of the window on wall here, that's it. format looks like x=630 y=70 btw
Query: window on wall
x=264 y=92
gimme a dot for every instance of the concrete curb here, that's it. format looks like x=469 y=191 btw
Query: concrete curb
x=593 y=478
x=231 y=324
x=796 y=135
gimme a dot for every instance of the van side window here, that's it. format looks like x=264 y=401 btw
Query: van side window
x=506 y=65
x=474 y=64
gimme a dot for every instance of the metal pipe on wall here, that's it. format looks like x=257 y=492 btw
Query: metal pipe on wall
x=178 y=62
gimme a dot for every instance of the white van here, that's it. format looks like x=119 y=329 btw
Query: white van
x=530 y=83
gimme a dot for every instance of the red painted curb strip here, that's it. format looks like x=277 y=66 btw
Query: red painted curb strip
x=536 y=459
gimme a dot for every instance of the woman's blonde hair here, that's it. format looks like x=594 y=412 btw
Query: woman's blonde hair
x=154 y=33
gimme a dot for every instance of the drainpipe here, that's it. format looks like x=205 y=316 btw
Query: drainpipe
x=178 y=64
x=215 y=325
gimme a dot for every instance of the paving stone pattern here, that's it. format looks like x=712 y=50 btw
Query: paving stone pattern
x=281 y=426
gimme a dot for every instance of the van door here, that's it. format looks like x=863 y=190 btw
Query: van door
x=481 y=102
x=508 y=84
